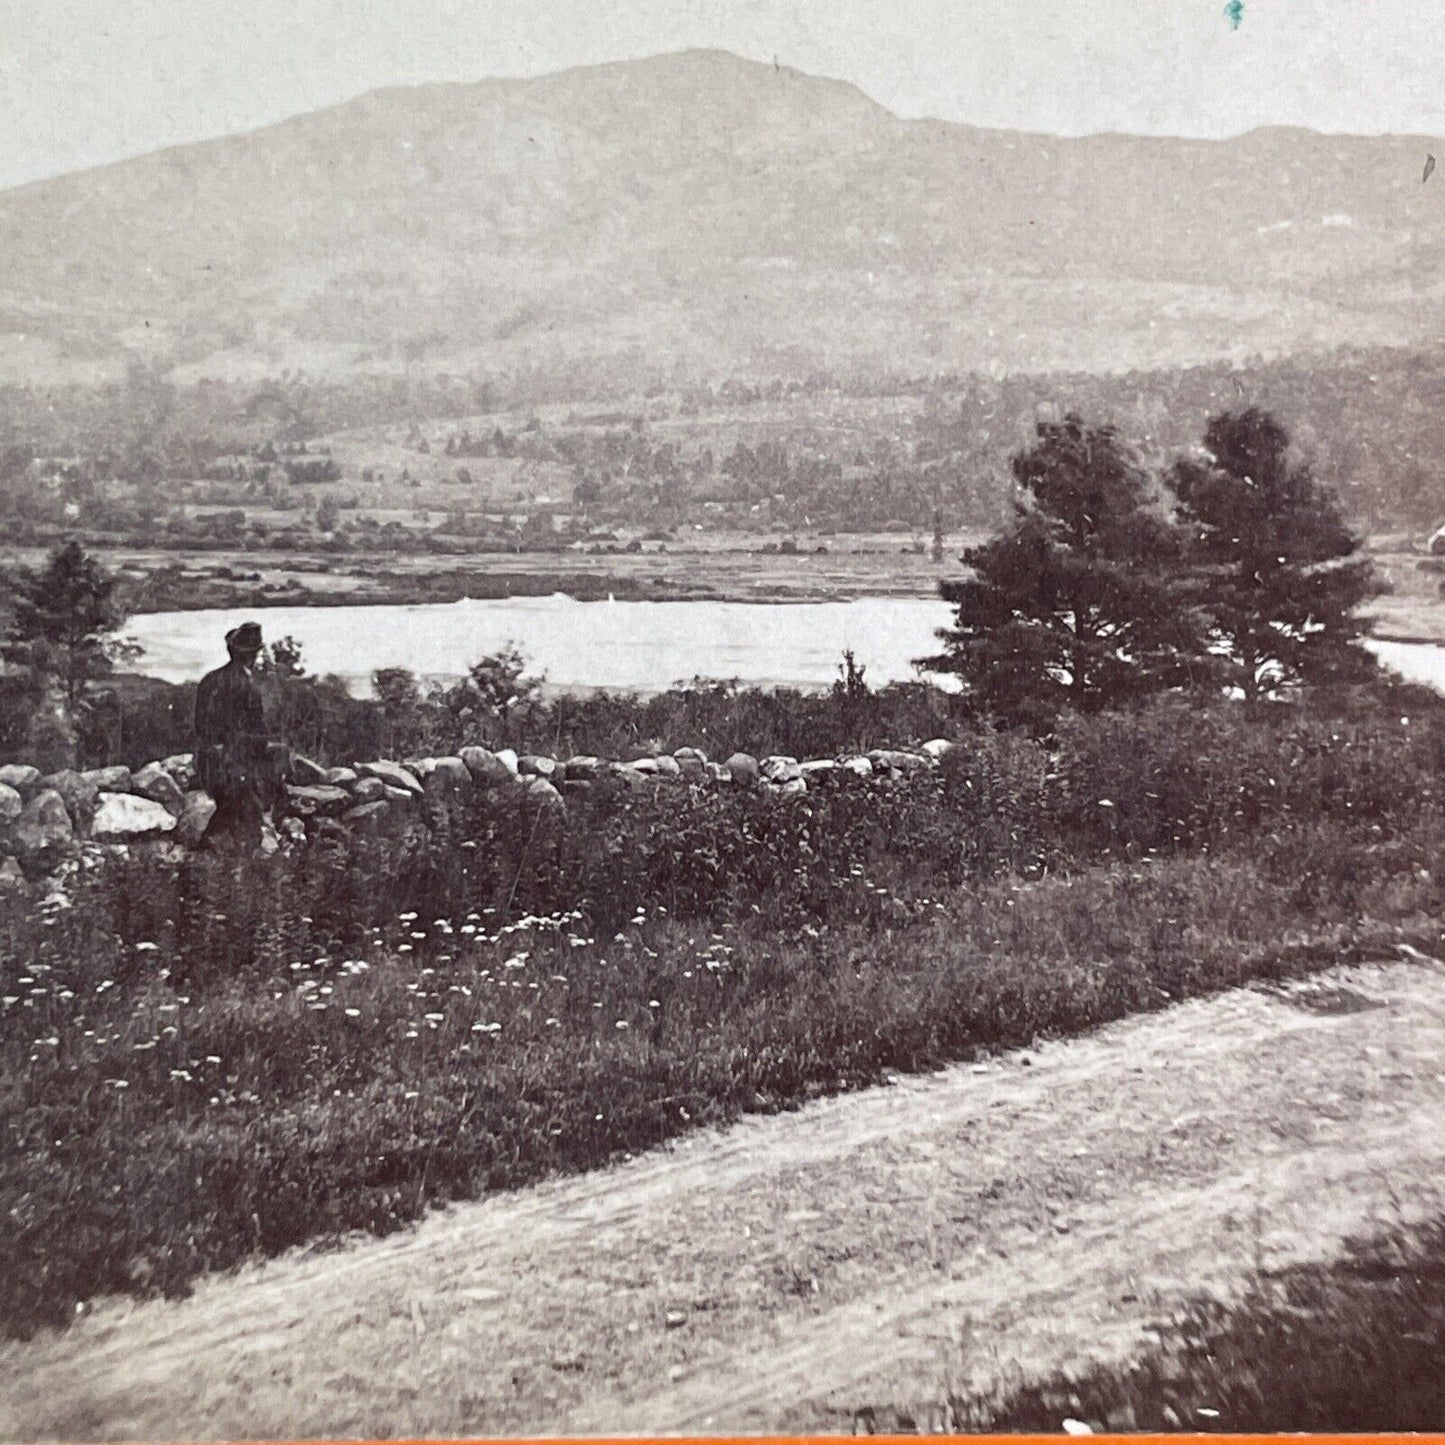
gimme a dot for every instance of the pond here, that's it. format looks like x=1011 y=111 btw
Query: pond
x=641 y=647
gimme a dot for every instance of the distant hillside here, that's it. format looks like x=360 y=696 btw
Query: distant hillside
x=709 y=214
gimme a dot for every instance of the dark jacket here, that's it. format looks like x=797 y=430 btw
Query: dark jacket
x=230 y=728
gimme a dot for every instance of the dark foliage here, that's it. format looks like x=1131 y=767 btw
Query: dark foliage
x=201 y=1062
x=1353 y=1346
x=1079 y=604
x=1279 y=569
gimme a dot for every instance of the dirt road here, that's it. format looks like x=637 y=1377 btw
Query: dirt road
x=866 y=1251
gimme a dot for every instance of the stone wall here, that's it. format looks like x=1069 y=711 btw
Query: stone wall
x=45 y=818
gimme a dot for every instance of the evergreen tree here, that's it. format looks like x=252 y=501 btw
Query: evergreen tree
x=1276 y=565
x=1080 y=604
x=63 y=621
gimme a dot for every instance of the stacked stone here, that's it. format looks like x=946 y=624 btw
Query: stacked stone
x=43 y=817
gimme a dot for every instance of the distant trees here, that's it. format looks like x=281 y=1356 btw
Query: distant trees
x=64 y=620
x=1278 y=566
x=62 y=631
x=1234 y=571
x=1079 y=604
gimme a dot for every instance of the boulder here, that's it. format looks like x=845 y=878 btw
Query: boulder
x=939 y=748
x=109 y=780
x=419 y=768
x=43 y=831
x=743 y=769
x=718 y=773
x=859 y=767
x=385 y=819
x=195 y=817
x=305 y=773
x=779 y=769
x=340 y=777
x=155 y=783
x=79 y=794
x=536 y=765
x=583 y=769
x=894 y=760
x=816 y=766
x=22 y=777
x=791 y=787
x=400 y=799
x=692 y=763
x=445 y=788
x=393 y=775
x=182 y=767
x=631 y=776
x=368 y=790
x=487 y=768
x=508 y=757
x=366 y=818
x=451 y=773
x=538 y=792
x=660 y=767
x=317 y=800
x=126 y=818
x=11 y=805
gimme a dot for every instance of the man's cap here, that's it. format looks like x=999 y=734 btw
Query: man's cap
x=245 y=638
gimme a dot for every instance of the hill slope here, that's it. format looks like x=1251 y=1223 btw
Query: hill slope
x=712 y=213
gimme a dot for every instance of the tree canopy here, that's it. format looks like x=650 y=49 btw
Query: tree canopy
x=63 y=621
x=1279 y=566
x=1080 y=603
x=1232 y=570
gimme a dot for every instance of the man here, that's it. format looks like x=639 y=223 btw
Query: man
x=235 y=761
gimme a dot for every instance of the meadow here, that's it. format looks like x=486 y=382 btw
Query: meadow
x=205 y=1062
x=1353 y=1345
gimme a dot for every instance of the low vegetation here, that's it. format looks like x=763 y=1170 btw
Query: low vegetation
x=203 y=1062
x=1351 y=1346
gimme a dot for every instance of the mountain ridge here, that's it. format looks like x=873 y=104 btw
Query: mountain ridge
x=701 y=212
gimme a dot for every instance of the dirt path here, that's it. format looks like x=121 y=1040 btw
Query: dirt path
x=866 y=1251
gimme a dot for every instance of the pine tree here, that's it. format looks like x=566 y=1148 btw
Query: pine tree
x=64 y=620
x=1081 y=603
x=1275 y=563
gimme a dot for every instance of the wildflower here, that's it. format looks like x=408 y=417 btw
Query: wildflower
x=623 y=1024
x=146 y=947
x=353 y=1013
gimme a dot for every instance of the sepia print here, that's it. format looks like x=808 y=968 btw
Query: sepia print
x=721 y=719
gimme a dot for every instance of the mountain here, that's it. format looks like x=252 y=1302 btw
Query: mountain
x=708 y=214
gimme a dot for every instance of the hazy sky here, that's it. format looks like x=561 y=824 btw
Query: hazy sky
x=87 y=81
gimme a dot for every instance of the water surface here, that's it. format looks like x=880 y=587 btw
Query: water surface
x=579 y=646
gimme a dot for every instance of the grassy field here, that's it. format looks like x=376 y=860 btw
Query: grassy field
x=203 y=1062
x=1350 y=1346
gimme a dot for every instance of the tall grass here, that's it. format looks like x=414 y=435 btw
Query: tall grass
x=1350 y=1346
x=203 y=1061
